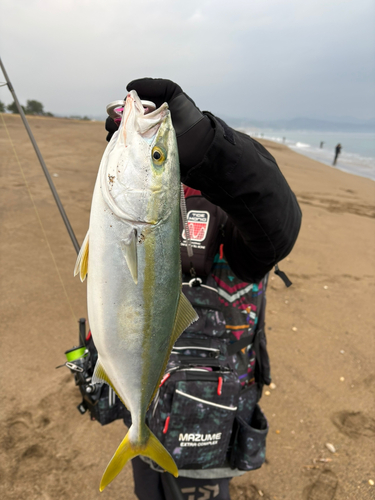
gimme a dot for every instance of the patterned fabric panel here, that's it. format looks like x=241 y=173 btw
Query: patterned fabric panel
x=240 y=302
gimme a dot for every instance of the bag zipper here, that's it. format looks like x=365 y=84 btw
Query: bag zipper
x=215 y=352
x=231 y=408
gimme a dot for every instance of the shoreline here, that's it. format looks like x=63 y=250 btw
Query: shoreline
x=317 y=169
x=356 y=163
x=336 y=167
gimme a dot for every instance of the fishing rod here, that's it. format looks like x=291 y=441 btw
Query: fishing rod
x=41 y=161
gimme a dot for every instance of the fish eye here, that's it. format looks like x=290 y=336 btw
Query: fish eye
x=158 y=156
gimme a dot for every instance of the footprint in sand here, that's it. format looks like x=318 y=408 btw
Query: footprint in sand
x=249 y=492
x=354 y=424
x=324 y=487
x=16 y=429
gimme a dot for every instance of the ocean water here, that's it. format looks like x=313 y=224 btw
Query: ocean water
x=357 y=154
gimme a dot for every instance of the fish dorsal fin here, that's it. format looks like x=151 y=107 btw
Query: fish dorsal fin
x=185 y=316
x=82 y=262
x=129 y=249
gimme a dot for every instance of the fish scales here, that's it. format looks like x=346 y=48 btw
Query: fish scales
x=132 y=256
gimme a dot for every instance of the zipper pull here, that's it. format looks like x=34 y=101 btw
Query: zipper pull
x=221 y=251
x=164 y=379
x=219 y=385
x=166 y=425
x=282 y=276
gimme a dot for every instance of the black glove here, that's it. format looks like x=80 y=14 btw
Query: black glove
x=194 y=130
x=184 y=112
x=111 y=127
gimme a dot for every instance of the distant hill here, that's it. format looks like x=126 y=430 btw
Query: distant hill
x=355 y=125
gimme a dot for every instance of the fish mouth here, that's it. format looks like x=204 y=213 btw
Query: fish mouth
x=141 y=108
x=147 y=123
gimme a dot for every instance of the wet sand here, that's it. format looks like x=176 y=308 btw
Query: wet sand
x=320 y=331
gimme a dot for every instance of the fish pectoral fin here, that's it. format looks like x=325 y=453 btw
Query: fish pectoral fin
x=83 y=259
x=129 y=249
x=185 y=316
x=127 y=450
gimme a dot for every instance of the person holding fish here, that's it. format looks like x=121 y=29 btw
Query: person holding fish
x=178 y=318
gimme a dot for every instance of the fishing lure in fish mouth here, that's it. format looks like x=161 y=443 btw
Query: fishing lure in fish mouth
x=116 y=108
x=131 y=256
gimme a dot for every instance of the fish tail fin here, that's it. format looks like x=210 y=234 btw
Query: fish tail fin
x=127 y=450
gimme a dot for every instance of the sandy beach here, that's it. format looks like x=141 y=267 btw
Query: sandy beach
x=320 y=331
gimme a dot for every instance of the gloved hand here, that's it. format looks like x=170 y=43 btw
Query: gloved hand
x=194 y=130
x=111 y=127
x=184 y=112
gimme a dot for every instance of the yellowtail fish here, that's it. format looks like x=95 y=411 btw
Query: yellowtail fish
x=131 y=255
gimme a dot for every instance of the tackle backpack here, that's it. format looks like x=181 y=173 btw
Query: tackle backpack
x=206 y=410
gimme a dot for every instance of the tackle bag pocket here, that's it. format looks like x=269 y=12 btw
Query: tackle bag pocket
x=249 y=449
x=197 y=426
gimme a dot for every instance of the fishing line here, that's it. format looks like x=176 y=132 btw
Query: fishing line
x=38 y=217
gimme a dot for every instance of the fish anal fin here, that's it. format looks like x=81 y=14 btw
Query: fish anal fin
x=151 y=447
x=185 y=316
x=82 y=262
x=129 y=249
x=100 y=376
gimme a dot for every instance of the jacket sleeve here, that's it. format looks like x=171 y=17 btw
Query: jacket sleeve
x=239 y=175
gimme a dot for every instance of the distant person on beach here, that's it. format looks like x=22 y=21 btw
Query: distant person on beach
x=321 y=144
x=337 y=152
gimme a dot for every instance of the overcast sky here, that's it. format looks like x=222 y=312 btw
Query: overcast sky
x=237 y=58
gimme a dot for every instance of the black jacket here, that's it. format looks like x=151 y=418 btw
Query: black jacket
x=239 y=175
